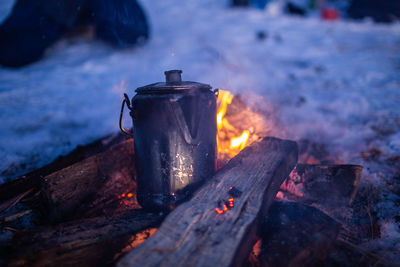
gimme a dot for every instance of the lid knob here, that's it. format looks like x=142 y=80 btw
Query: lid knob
x=173 y=76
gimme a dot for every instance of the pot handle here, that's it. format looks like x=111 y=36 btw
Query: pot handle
x=128 y=104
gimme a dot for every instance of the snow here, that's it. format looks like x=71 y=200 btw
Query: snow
x=335 y=83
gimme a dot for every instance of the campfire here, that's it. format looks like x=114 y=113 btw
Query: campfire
x=237 y=125
x=258 y=209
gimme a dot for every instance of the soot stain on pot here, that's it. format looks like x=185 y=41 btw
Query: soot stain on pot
x=175 y=130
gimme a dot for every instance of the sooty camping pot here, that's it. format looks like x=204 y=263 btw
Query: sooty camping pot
x=174 y=131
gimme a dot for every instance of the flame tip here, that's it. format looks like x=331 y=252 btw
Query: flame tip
x=228 y=144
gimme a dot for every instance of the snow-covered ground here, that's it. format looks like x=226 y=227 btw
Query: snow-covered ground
x=336 y=83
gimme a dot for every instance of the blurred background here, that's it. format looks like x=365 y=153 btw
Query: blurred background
x=66 y=65
x=325 y=71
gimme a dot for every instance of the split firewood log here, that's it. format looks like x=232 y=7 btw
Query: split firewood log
x=67 y=189
x=87 y=242
x=204 y=231
x=33 y=179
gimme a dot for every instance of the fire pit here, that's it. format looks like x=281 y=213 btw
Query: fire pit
x=257 y=209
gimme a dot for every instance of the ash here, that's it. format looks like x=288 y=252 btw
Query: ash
x=336 y=84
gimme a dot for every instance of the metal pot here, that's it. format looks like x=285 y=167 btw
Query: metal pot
x=174 y=131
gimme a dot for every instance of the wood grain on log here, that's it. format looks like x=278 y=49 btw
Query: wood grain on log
x=195 y=235
x=67 y=189
x=87 y=242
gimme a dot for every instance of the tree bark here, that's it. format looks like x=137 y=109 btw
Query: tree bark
x=66 y=189
x=195 y=235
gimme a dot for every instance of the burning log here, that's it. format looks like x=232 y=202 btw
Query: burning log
x=194 y=234
x=66 y=189
x=296 y=235
x=330 y=188
x=86 y=242
x=330 y=184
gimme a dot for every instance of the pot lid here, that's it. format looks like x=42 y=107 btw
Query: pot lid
x=173 y=82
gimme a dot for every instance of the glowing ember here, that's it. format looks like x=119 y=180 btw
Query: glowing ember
x=225 y=208
x=219 y=211
x=137 y=239
x=126 y=199
x=230 y=202
x=129 y=195
x=225 y=205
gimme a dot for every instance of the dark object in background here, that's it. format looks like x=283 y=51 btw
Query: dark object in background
x=121 y=23
x=380 y=11
x=295 y=10
x=262 y=35
x=174 y=129
x=240 y=2
x=26 y=33
x=34 y=25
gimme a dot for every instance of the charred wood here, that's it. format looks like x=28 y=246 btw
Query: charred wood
x=330 y=188
x=87 y=242
x=33 y=179
x=296 y=235
x=115 y=195
x=13 y=201
x=66 y=189
x=16 y=214
x=195 y=235
x=330 y=184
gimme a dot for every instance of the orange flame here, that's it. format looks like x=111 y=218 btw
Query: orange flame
x=229 y=144
x=224 y=99
x=240 y=142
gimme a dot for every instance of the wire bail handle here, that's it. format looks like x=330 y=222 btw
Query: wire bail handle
x=129 y=105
